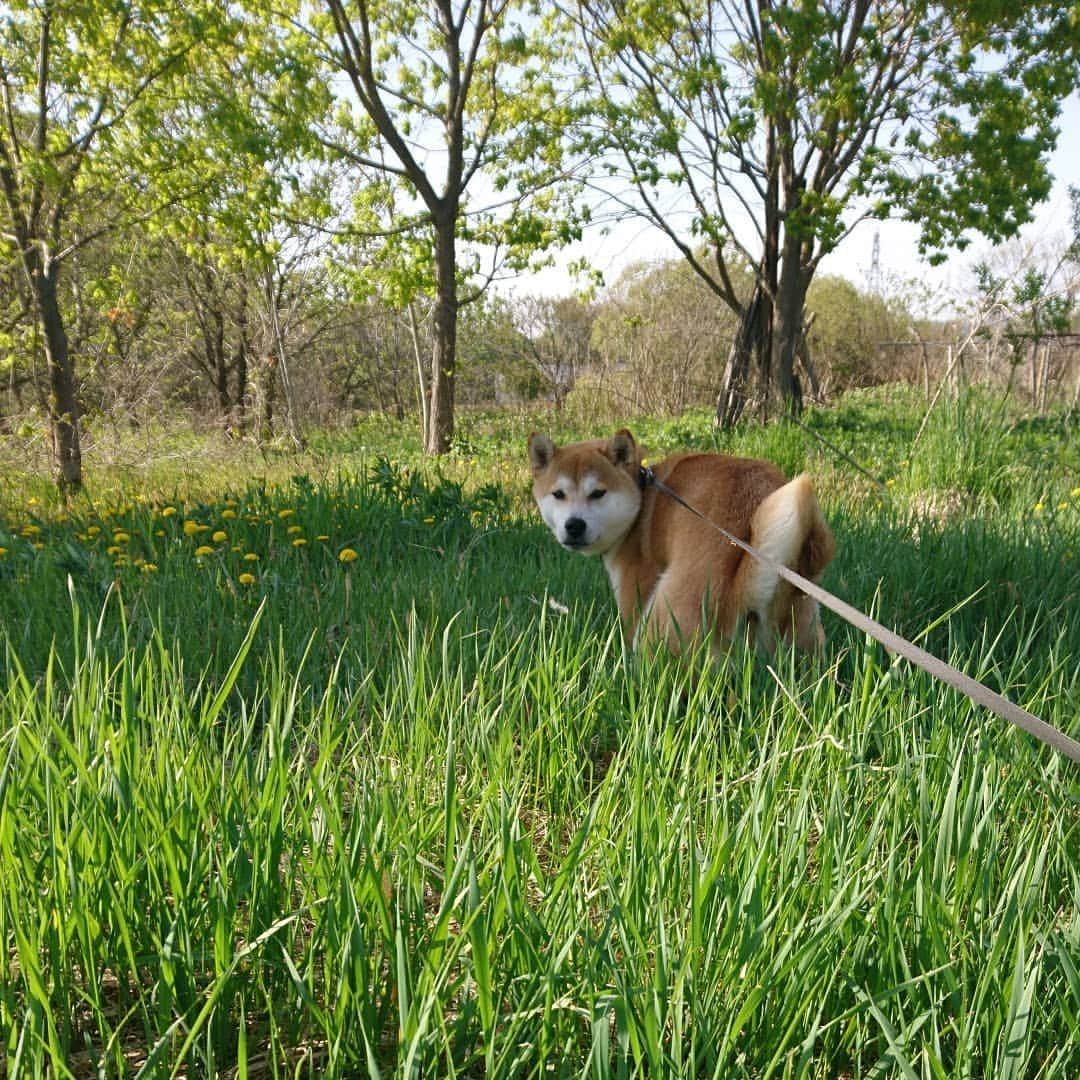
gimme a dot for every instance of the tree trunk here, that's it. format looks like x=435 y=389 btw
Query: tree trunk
x=748 y=361
x=421 y=387
x=440 y=431
x=63 y=392
x=292 y=422
x=240 y=363
x=791 y=302
x=268 y=380
x=735 y=385
x=220 y=363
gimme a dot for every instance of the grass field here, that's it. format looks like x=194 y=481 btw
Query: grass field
x=334 y=765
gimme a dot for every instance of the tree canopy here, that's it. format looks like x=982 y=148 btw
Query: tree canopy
x=759 y=134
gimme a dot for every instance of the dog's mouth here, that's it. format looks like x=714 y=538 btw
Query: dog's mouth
x=575 y=543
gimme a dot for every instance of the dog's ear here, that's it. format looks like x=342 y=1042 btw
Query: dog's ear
x=622 y=450
x=541 y=451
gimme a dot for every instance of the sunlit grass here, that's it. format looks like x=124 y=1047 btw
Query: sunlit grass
x=394 y=800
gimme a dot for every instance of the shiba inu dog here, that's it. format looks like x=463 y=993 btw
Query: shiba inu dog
x=673 y=576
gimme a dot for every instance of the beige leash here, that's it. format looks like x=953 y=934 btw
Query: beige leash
x=981 y=695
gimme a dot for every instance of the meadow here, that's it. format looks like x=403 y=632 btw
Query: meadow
x=333 y=764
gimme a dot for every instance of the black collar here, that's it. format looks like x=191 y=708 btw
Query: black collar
x=645 y=477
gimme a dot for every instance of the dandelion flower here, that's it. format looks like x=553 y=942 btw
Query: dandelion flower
x=286 y=512
x=246 y=579
x=220 y=536
x=3 y=552
x=1039 y=507
x=93 y=530
x=299 y=542
x=429 y=521
x=192 y=528
x=1075 y=493
x=120 y=537
x=229 y=515
x=204 y=549
x=292 y=530
x=168 y=511
x=148 y=567
x=348 y=555
x=251 y=557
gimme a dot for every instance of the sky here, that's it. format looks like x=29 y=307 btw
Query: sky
x=635 y=241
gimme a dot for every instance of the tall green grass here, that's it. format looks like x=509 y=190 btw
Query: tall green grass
x=418 y=814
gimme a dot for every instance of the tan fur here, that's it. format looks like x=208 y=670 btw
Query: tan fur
x=674 y=576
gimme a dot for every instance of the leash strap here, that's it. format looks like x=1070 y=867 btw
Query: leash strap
x=981 y=695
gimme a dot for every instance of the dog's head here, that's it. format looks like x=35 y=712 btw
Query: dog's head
x=588 y=493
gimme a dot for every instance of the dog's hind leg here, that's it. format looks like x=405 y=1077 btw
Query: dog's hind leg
x=685 y=606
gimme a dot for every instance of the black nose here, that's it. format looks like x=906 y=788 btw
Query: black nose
x=575 y=528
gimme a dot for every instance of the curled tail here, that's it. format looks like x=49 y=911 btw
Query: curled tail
x=787 y=526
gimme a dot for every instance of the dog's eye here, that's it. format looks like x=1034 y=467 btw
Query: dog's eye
x=559 y=494
x=597 y=493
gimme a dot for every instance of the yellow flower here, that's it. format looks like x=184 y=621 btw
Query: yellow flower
x=322 y=536
x=112 y=549
x=228 y=515
x=1039 y=508
x=1062 y=506
x=148 y=567
x=120 y=537
x=1075 y=493
x=168 y=511
x=287 y=512
x=251 y=557
x=246 y=579
x=347 y=555
x=3 y=552
x=299 y=542
x=891 y=482
x=204 y=549
x=38 y=546
x=292 y=530
x=30 y=530
x=220 y=536
x=192 y=528
x=429 y=521
x=93 y=530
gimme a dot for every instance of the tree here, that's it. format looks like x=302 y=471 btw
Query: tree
x=660 y=328
x=761 y=132
x=1030 y=291
x=846 y=329
x=452 y=96
x=556 y=335
x=83 y=100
